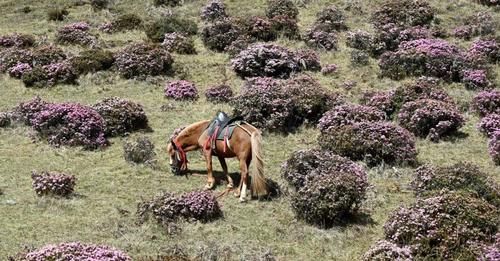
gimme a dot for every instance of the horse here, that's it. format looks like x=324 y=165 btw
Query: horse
x=245 y=144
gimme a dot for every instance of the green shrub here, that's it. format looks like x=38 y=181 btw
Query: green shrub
x=99 y=4
x=156 y=29
x=57 y=14
x=93 y=60
x=171 y=3
x=127 y=22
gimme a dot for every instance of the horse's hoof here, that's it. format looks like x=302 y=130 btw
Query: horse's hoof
x=230 y=186
x=243 y=200
x=237 y=194
x=209 y=186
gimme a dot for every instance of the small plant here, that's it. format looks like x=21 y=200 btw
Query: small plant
x=4 y=119
x=444 y=226
x=121 y=116
x=76 y=33
x=140 y=151
x=70 y=124
x=430 y=118
x=374 y=142
x=329 y=69
x=349 y=114
x=386 y=250
x=17 y=40
x=52 y=183
x=281 y=8
x=359 y=40
x=319 y=39
x=213 y=11
x=156 y=29
x=122 y=23
x=178 y=43
x=26 y=111
x=219 y=93
x=486 y=102
x=422 y=88
x=359 y=58
x=91 y=61
x=77 y=251
x=490 y=124
x=327 y=199
x=304 y=165
x=181 y=90
x=99 y=4
x=170 y=3
x=220 y=35
x=308 y=60
x=140 y=60
x=57 y=14
x=259 y=28
x=331 y=19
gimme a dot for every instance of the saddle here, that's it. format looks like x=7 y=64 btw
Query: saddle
x=221 y=128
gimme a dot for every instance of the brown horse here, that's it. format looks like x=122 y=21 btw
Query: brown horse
x=245 y=144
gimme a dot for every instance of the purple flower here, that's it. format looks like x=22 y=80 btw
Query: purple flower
x=140 y=60
x=219 y=93
x=487 y=102
x=214 y=10
x=489 y=124
x=53 y=183
x=17 y=40
x=349 y=114
x=329 y=69
x=475 y=79
x=19 y=70
x=181 y=90
x=386 y=250
x=76 y=33
x=77 y=251
x=494 y=147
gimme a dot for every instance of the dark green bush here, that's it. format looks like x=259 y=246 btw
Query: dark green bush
x=93 y=60
x=276 y=8
x=171 y=3
x=220 y=35
x=140 y=151
x=156 y=29
x=99 y=4
x=127 y=22
x=4 y=120
x=57 y=14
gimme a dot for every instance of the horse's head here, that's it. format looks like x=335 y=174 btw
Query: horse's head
x=178 y=158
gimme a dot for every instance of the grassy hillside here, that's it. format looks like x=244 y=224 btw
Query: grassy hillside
x=109 y=189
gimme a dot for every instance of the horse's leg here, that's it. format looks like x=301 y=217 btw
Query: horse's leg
x=210 y=178
x=223 y=164
x=244 y=180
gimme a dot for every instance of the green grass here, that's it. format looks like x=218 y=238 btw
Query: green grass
x=108 y=189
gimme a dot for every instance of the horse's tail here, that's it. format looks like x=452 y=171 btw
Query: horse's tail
x=259 y=184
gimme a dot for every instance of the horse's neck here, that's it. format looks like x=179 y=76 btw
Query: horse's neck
x=190 y=135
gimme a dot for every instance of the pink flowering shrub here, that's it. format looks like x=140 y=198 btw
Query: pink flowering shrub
x=19 y=70
x=489 y=2
x=386 y=250
x=422 y=88
x=374 y=142
x=26 y=111
x=308 y=60
x=349 y=114
x=220 y=35
x=331 y=19
x=286 y=26
x=489 y=124
x=48 y=54
x=330 y=198
x=39 y=56
x=329 y=69
x=181 y=90
x=50 y=75
x=51 y=183
x=17 y=40
x=491 y=252
x=70 y=124
x=258 y=28
x=475 y=79
x=390 y=36
x=487 y=48
x=76 y=33
x=359 y=39
x=478 y=24
x=121 y=116
x=166 y=207
x=214 y=10
x=430 y=118
x=494 y=147
x=444 y=226
x=178 y=43
x=219 y=93
x=323 y=33
x=486 y=102
x=140 y=151
x=13 y=56
x=381 y=100
x=77 y=251
x=265 y=60
x=281 y=8
x=424 y=57
x=458 y=177
x=140 y=59
x=303 y=165
x=317 y=38
x=403 y=13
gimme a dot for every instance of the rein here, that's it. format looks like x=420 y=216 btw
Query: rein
x=182 y=153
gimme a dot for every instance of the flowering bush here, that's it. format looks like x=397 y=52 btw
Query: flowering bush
x=422 y=88
x=494 y=147
x=349 y=114
x=50 y=183
x=403 y=13
x=424 y=57
x=142 y=59
x=157 y=28
x=265 y=60
x=281 y=8
x=258 y=28
x=220 y=35
x=92 y=60
x=359 y=58
x=196 y=205
x=475 y=79
x=327 y=199
x=219 y=93
x=286 y=26
x=26 y=111
x=17 y=40
x=140 y=151
x=214 y=10
x=121 y=116
x=481 y=23
x=443 y=226
x=77 y=251
x=430 y=118
x=359 y=40
x=489 y=2
x=19 y=70
x=47 y=54
x=76 y=33
x=49 y=75
x=329 y=69
x=178 y=43
x=390 y=36
x=386 y=250
x=317 y=38
x=70 y=124
x=383 y=101
x=374 y=142
x=123 y=22
x=487 y=102
x=490 y=124
x=40 y=56
x=491 y=252
x=331 y=19
x=460 y=176
x=181 y=90
x=485 y=48
x=13 y=56
x=4 y=119
x=304 y=165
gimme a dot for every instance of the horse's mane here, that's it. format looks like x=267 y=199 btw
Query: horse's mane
x=191 y=129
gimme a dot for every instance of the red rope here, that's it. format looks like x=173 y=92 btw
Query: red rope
x=182 y=153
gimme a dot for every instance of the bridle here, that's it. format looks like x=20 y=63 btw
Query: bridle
x=180 y=154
